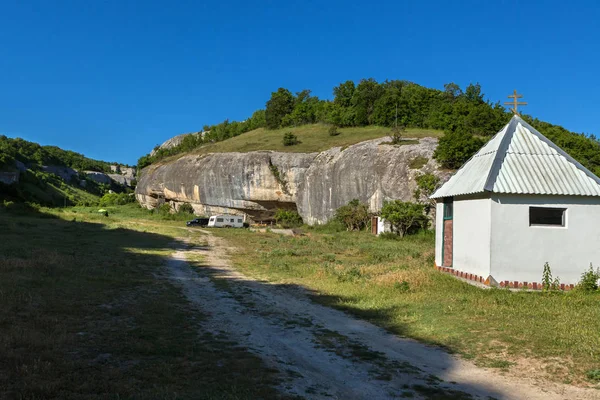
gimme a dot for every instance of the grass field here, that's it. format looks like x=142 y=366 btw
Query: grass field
x=86 y=315
x=393 y=284
x=313 y=138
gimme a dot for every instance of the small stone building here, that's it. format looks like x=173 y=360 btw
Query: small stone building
x=518 y=203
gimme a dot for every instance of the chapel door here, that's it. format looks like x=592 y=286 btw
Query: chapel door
x=448 y=231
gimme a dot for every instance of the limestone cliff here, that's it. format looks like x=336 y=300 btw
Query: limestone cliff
x=316 y=184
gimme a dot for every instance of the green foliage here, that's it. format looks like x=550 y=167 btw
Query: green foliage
x=593 y=375
x=289 y=139
x=164 y=208
x=465 y=115
x=404 y=217
x=454 y=149
x=287 y=218
x=418 y=162
x=278 y=107
x=279 y=178
x=32 y=154
x=397 y=134
x=355 y=215
x=549 y=284
x=589 y=280
x=116 y=199
x=426 y=185
x=185 y=208
x=333 y=130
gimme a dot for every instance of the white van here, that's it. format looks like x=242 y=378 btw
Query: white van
x=226 y=221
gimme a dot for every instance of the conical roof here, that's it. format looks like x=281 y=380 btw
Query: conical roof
x=520 y=160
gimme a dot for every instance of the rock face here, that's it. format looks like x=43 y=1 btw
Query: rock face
x=174 y=141
x=316 y=184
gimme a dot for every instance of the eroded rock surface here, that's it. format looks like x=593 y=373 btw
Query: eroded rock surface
x=316 y=184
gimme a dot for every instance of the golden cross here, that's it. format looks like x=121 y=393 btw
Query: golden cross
x=515 y=103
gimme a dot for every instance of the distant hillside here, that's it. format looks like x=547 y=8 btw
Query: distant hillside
x=368 y=110
x=51 y=176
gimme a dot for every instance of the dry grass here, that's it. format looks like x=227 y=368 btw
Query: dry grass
x=313 y=138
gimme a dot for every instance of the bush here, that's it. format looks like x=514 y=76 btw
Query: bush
x=455 y=148
x=589 y=280
x=289 y=139
x=355 y=215
x=333 y=130
x=185 y=208
x=287 y=218
x=404 y=217
x=116 y=199
x=397 y=134
x=165 y=208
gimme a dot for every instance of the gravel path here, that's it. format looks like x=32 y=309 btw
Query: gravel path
x=323 y=353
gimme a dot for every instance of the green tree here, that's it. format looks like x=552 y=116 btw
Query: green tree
x=355 y=215
x=455 y=148
x=289 y=139
x=404 y=217
x=366 y=94
x=279 y=105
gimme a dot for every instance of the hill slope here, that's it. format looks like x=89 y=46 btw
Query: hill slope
x=48 y=175
x=313 y=138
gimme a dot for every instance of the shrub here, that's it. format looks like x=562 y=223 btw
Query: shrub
x=288 y=218
x=289 y=139
x=455 y=148
x=593 y=375
x=589 y=280
x=354 y=215
x=404 y=217
x=186 y=208
x=165 y=208
x=333 y=130
x=549 y=284
x=397 y=134
x=116 y=199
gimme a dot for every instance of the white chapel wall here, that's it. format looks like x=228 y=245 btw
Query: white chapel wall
x=520 y=251
x=472 y=218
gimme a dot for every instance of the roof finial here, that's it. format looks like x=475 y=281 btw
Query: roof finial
x=515 y=103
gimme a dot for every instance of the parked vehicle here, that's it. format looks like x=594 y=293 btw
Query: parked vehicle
x=226 y=221
x=198 y=222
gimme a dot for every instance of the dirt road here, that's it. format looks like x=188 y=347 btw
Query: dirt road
x=323 y=353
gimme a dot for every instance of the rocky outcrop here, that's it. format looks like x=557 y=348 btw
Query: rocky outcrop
x=316 y=184
x=174 y=142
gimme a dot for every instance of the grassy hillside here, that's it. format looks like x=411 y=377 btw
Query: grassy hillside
x=313 y=138
x=37 y=185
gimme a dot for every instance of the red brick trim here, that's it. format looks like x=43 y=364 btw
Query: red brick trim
x=489 y=281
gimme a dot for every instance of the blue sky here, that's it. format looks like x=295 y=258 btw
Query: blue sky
x=111 y=79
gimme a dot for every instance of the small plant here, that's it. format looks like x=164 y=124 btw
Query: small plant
x=185 y=208
x=549 y=284
x=279 y=178
x=397 y=134
x=288 y=218
x=333 y=130
x=402 y=286
x=289 y=139
x=589 y=280
x=164 y=208
x=593 y=375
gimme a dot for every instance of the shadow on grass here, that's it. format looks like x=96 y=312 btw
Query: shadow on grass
x=85 y=314
x=397 y=366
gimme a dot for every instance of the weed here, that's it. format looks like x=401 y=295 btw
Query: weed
x=418 y=162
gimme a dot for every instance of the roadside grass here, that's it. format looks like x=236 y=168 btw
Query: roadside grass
x=313 y=138
x=87 y=314
x=392 y=283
